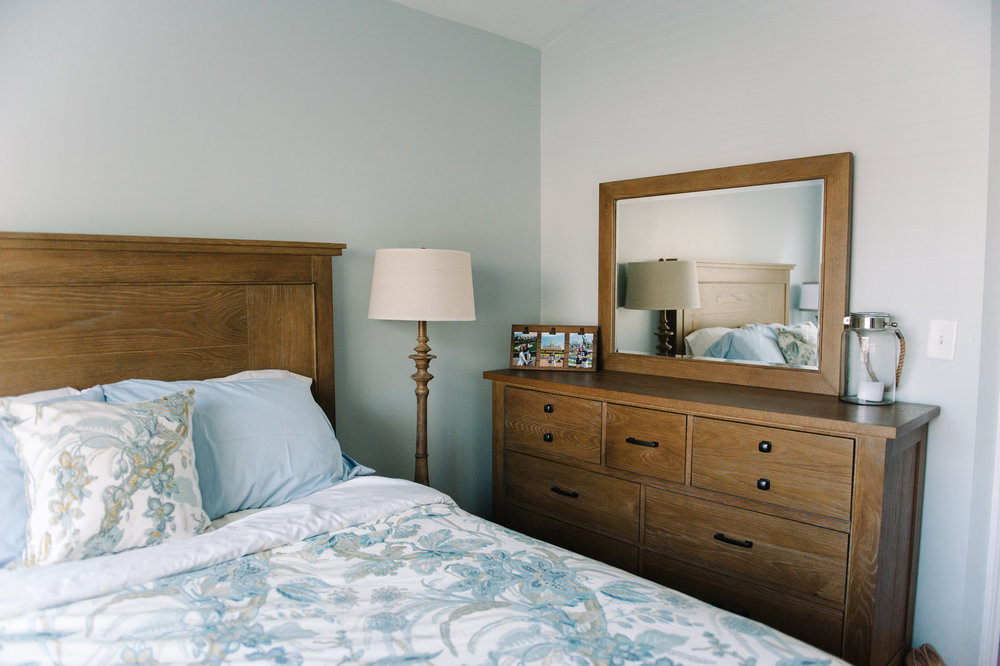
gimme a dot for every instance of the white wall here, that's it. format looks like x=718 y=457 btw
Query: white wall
x=645 y=87
x=985 y=548
x=344 y=121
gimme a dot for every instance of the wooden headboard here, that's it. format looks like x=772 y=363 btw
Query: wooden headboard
x=79 y=310
x=733 y=294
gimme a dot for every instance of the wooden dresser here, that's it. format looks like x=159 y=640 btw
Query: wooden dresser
x=794 y=509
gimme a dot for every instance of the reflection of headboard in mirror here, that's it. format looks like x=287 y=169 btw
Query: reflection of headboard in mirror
x=733 y=294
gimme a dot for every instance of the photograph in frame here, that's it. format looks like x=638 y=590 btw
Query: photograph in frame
x=524 y=349
x=547 y=347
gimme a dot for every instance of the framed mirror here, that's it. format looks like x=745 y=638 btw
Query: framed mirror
x=768 y=247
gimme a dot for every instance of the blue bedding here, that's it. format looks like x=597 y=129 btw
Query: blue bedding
x=414 y=581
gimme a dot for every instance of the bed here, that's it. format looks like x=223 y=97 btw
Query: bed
x=147 y=373
x=744 y=317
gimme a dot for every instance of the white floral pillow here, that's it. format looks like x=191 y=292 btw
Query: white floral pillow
x=101 y=478
x=799 y=344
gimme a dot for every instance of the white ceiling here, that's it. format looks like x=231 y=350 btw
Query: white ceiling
x=533 y=22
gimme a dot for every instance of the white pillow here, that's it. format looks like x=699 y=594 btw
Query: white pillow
x=264 y=374
x=699 y=341
x=101 y=478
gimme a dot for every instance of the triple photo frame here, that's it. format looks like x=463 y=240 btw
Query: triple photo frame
x=569 y=348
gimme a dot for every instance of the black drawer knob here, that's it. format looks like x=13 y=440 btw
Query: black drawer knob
x=548 y=437
x=565 y=493
x=548 y=409
x=641 y=442
x=764 y=447
x=763 y=484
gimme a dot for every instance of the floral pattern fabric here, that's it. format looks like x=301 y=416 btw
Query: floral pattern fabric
x=427 y=585
x=103 y=478
x=799 y=344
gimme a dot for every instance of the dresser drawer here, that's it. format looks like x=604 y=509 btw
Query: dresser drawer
x=810 y=559
x=798 y=470
x=815 y=622
x=579 y=540
x=536 y=436
x=574 y=495
x=557 y=410
x=646 y=441
x=553 y=423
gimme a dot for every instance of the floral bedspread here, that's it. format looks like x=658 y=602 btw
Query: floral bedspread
x=429 y=584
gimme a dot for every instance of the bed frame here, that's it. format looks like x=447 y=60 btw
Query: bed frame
x=733 y=294
x=79 y=310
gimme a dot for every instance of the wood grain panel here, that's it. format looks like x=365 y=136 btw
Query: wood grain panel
x=529 y=435
x=664 y=429
x=804 y=557
x=48 y=322
x=814 y=623
x=323 y=385
x=60 y=267
x=25 y=376
x=733 y=294
x=579 y=540
x=87 y=243
x=803 y=470
x=497 y=393
x=530 y=481
x=558 y=410
x=890 y=489
x=79 y=310
x=281 y=319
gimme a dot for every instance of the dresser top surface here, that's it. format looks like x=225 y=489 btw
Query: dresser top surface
x=727 y=400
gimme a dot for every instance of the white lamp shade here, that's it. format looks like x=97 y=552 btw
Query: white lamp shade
x=809 y=296
x=662 y=285
x=422 y=285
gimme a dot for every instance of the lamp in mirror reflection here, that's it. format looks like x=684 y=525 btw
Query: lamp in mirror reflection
x=422 y=285
x=667 y=284
x=809 y=298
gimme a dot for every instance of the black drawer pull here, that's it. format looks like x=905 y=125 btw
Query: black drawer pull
x=764 y=447
x=548 y=409
x=633 y=440
x=564 y=493
x=719 y=536
x=763 y=484
x=548 y=437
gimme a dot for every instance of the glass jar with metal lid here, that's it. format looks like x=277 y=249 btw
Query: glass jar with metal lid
x=872 y=351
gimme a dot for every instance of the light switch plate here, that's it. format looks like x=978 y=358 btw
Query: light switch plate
x=941 y=339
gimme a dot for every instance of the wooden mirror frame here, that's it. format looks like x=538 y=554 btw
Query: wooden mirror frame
x=836 y=172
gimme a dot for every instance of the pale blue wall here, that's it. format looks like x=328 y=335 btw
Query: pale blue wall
x=355 y=121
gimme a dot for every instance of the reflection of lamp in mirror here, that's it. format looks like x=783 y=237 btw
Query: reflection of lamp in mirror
x=809 y=298
x=662 y=285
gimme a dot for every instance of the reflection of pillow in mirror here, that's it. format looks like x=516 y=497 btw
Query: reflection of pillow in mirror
x=699 y=341
x=748 y=344
x=799 y=344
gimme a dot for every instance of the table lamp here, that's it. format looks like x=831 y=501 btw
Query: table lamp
x=422 y=285
x=809 y=297
x=667 y=284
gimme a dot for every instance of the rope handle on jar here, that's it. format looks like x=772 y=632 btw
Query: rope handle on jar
x=902 y=353
x=863 y=341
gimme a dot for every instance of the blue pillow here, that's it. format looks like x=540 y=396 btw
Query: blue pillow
x=257 y=442
x=12 y=503
x=757 y=342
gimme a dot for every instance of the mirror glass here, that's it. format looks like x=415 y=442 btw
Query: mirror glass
x=770 y=243
x=778 y=224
